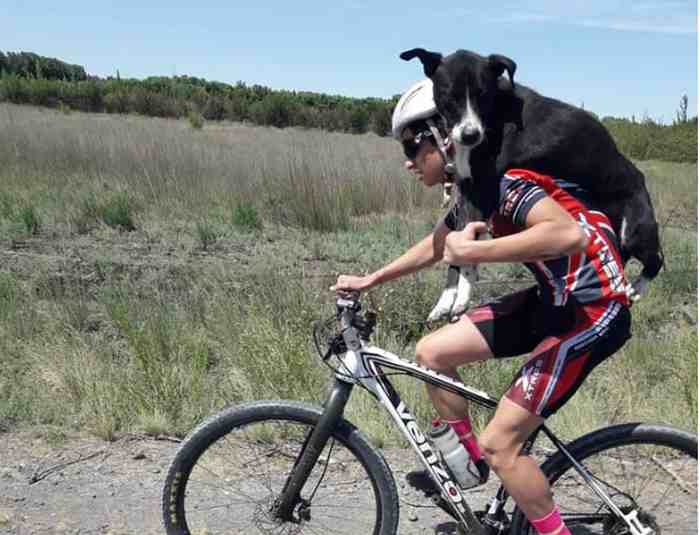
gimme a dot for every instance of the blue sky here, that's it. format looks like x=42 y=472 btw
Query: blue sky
x=616 y=57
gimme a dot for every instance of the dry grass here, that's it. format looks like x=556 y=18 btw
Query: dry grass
x=314 y=179
x=175 y=270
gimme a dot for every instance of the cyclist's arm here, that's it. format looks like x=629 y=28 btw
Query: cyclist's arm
x=426 y=252
x=550 y=232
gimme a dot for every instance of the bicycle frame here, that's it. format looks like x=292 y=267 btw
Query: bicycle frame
x=364 y=364
x=365 y=367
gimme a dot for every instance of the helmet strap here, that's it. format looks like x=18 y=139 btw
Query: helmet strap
x=443 y=145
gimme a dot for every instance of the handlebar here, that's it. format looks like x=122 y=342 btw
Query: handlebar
x=355 y=327
x=348 y=308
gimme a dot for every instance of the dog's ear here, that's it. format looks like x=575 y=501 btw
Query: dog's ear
x=498 y=64
x=431 y=60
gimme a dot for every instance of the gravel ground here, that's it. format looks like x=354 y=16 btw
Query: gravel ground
x=88 y=486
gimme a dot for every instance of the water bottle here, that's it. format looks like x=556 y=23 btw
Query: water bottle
x=456 y=456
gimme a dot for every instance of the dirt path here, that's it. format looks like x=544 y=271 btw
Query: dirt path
x=88 y=486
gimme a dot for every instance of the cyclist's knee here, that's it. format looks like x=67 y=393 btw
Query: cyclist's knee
x=498 y=450
x=427 y=354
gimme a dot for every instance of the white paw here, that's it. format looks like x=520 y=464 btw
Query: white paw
x=444 y=305
x=636 y=290
x=464 y=292
x=632 y=294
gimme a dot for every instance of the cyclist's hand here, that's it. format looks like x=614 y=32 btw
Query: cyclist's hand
x=455 y=242
x=346 y=283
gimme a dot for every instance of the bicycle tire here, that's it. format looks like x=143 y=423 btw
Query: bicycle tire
x=271 y=427
x=601 y=452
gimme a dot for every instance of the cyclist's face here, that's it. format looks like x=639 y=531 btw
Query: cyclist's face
x=426 y=161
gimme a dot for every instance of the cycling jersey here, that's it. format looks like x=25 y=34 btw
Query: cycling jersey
x=578 y=314
x=588 y=276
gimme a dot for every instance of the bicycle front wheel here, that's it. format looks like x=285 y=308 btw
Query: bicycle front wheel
x=228 y=474
x=650 y=469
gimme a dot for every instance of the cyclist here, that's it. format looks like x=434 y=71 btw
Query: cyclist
x=573 y=319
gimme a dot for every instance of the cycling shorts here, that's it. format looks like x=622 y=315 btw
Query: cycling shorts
x=565 y=343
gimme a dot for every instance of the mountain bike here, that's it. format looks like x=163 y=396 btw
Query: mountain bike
x=286 y=467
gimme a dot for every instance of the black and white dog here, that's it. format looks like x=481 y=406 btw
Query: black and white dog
x=496 y=124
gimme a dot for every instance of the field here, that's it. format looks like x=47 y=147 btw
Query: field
x=151 y=273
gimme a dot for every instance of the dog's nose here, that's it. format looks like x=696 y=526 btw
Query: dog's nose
x=470 y=136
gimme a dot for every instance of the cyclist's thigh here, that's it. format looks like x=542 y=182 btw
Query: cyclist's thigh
x=498 y=328
x=452 y=345
x=508 y=323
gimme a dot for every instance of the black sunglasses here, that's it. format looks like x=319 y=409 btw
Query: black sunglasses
x=412 y=145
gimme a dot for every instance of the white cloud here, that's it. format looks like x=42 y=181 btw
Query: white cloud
x=674 y=17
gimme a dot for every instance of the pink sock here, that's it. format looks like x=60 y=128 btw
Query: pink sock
x=463 y=428
x=550 y=524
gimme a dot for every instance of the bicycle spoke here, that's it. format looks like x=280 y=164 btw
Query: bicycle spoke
x=238 y=478
x=643 y=478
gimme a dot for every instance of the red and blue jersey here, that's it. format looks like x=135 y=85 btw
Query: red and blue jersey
x=594 y=274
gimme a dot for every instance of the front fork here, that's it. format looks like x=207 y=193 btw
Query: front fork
x=311 y=450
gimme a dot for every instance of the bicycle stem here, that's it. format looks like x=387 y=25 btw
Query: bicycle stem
x=315 y=442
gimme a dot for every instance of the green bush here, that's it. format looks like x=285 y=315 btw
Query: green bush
x=648 y=140
x=7 y=205
x=245 y=216
x=118 y=212
x=30 y=219
x=207 y=234
x=196 y=120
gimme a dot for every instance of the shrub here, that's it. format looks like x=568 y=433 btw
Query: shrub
x=245 y=216
x=207 y=234
x=196 y=120
x=7 y=205
x=64 y=108
x=118 y=212
x=87 y=216
x=30 y=219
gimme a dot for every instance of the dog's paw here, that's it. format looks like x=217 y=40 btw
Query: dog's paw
x=641 y=285
x=632 y=294
x=443 y=308
x=464 y=293
x=636 y=290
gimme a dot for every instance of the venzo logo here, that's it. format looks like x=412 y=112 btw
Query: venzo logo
x=431 y=457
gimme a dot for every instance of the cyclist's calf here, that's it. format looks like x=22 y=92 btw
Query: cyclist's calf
x=499 y=450
x=501 y=444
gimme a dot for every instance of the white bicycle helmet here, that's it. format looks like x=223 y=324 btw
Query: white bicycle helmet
x=415 y=104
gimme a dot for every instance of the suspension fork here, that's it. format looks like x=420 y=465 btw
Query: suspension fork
x=312 y=448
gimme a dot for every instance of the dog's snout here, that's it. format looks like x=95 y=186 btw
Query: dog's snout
x=470 y=136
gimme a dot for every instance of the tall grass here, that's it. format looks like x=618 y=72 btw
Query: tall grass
x=312 y=179
x=236 y=234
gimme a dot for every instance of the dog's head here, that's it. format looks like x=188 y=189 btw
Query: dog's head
x=465 y=86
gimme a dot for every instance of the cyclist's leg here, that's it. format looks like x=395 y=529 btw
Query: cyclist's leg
x=557 y=368
x=445 y=349
x=501 y=444
x=474 y=338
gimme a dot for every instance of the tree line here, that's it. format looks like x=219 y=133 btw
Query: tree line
x=26 y=78
x=30 y=65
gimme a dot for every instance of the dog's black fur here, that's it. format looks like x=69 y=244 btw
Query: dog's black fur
x=523 y=129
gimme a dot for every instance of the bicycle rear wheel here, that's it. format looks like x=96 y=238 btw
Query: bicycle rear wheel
x=649 y=468
x=228 y=473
